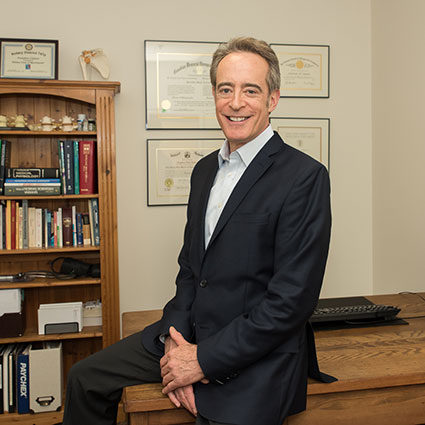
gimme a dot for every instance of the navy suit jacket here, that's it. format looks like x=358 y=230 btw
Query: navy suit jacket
x=246 y=299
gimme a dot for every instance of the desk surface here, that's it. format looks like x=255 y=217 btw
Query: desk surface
x=383 y=366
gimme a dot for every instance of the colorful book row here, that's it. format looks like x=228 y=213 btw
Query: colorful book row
x=27 y=227
x=76 y=171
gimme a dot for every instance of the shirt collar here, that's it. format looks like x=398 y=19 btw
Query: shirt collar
x=248 y=151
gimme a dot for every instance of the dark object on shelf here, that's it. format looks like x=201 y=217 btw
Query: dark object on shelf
x=71 y=267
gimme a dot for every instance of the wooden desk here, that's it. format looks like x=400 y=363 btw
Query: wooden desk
x=381 y=372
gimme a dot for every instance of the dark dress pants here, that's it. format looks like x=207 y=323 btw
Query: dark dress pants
x=95 y=384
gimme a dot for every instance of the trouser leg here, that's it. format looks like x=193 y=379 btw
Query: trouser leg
x=95 y=384
x=200 y=420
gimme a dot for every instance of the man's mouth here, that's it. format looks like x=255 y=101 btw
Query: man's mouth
x=237 y=119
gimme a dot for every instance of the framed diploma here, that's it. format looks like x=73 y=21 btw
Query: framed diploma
x=25 y=58
x=170 y=165
x=309 y=135
x=178 y=88
x=304 y=70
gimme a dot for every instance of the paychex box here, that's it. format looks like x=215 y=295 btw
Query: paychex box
x=45 y=376
x=60 y=318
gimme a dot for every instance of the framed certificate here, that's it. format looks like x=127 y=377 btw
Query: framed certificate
x=178 y=88
x=170 y=165
x=26 y=58
x=304 y=70
x=309 y=135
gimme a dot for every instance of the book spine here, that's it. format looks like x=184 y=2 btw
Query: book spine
x=69 y=166
x=60 y=228
x=74 y=225
x=91 y=221
x=32 y=173
x=87 y=167
x=95 y=212
x=31 y=227
x=1 y=228
x=32 y=190
x=38 y=228
x=23 y=383
x=86 y=229
x=62 y=165
x=67 y=227
x=32 y=181
x=19 y=243
x=76 y=168
x=55 y=229
x=80 y=240
x=13 y=224
x=24 y=224
x=8 y=224
x=4 y=162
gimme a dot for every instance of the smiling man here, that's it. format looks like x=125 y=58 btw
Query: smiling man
x=234 y=345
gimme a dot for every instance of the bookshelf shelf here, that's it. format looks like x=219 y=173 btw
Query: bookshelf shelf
x=39 y=149
x=32 y=336
x=48 y=250
x=73 y=134
x=49 y=283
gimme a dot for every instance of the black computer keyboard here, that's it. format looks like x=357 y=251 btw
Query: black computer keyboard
x=354 y=313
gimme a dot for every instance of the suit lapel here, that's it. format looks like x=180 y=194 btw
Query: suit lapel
x=255 y=170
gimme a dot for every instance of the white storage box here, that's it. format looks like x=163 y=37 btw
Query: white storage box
x=60 y=318
x=45 y=377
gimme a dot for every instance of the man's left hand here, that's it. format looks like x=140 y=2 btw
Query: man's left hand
x=180 y=367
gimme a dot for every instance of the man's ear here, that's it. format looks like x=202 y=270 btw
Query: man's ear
x=274 y=100
x=213 y=90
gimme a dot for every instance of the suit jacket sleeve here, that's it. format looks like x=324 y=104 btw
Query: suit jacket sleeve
x=300 y=253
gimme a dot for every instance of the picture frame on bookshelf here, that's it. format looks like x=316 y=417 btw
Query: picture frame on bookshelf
x=170 y=165
x=29 y=58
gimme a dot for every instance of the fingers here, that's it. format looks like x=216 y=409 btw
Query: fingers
x=172 y=396
x=186 y=397
x=176 y=336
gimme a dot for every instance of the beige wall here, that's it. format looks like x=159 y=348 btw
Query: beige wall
x=150 y=238
x=398 y=145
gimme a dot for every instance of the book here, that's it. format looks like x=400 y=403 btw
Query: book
x=38 y=228
x=4 y=162
x=2 y=349
x=68 y=149
x=31 y=227
x=86 y=229
x=87 y=154
x=61 y=155
x=8 y=224
x=80 y=240
x=76 y=168
x=32 y=182
x=32 y=173
x=25 y=224
x=5 y=369
x=74 y=225
x=1 y=225
x=91 y=222
x=95 y=217
x=32 y=190
x=13 y=224
x=59 y=225
x=22 y=384
x=67 y=227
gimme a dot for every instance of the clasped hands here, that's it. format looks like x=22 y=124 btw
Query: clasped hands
x=179 y=370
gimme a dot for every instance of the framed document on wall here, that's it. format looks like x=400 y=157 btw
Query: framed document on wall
x=28 y=58
x=178 y=88
x=170 y=165
x=304 y=69
x=309 y=135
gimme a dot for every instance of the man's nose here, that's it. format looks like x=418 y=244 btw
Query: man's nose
x=237 y=101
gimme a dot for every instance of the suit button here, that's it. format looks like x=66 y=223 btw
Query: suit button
x=203 y=283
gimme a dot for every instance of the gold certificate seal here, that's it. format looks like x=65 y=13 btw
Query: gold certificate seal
x=168 y=183
x=299 y=64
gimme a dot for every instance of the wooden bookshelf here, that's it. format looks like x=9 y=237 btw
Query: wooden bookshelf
x=35 y=99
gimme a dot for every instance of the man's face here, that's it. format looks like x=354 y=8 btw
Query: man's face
x=242 y=99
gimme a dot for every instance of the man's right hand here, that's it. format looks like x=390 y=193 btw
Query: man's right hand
x=183 y=396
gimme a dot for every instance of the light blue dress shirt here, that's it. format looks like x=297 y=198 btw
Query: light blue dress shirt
x=231 y=167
